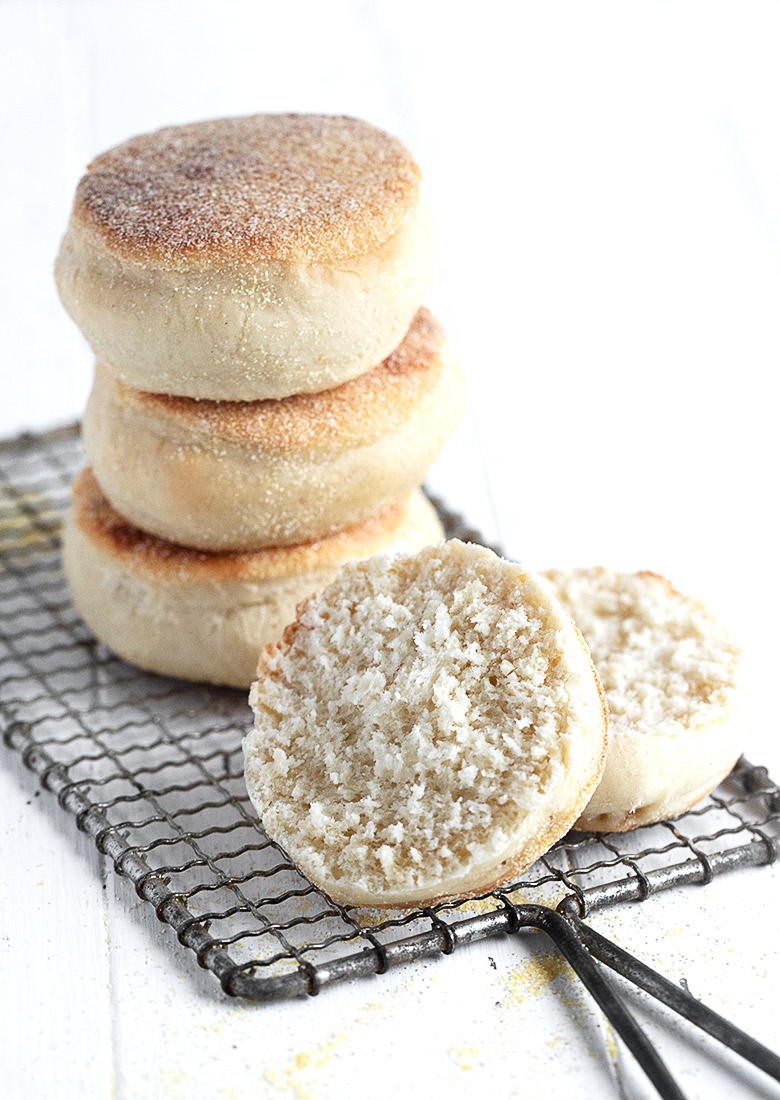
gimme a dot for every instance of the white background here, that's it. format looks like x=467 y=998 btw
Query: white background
x=606 y=184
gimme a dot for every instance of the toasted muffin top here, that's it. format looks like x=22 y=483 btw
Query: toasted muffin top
x=286 y=187
x=358 y=411
x=152 y=557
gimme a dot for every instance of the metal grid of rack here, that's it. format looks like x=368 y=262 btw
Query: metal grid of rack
x=152 y=769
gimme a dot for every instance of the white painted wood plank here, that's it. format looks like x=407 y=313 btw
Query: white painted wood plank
x=46 y=373
x=715 y=938
x=507 y=1013
x=55 y=1036
x=497 y=1013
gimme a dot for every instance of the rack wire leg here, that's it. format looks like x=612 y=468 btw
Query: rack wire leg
x=671 y=995
x=565 y=936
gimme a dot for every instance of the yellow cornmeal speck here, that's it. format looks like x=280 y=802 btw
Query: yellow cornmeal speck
x=368 y=918
x=672 y=932
x=173 y=1084
x=550 y=894
x=466 y=1058
x=532 y=977
x=228 y=1016
x=371 y=1006
x=289 y=1079
x=477 y=906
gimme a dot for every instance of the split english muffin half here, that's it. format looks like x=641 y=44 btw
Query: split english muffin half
x=671 y=675
x=429 y=725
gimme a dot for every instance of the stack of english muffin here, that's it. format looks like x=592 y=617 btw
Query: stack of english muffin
x=269 y=393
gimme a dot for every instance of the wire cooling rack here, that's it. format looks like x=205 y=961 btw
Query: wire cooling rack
x=151 y=768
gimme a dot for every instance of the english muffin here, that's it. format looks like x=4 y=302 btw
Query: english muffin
x=242 y=475
x=427 y=727
x=247 y=258
x=670 y=672
x=206 y=616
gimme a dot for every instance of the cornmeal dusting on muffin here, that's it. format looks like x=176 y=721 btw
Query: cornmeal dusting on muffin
x=300 y=188
x=360 y=410
x=148 y=554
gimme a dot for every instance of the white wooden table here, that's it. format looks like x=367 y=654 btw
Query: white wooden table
x=606 y=181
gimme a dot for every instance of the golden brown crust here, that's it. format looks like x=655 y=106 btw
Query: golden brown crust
x=294 y=188
x=151 y=556
x=362 y=409
x=658 y=577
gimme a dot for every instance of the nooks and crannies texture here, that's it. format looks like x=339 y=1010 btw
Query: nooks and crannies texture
x=417 y=711
x=663 y=659
x=671 y=677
